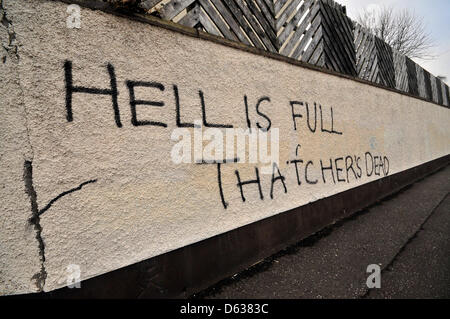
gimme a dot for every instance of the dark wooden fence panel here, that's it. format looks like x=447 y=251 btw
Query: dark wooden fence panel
x=439 y=91
x=339 y=47
x=401 y=72
x=375 y=59
x=428 y=88
x=385 y=63
x=421 y=82
x=434 y=89
x=447 y=94
x=446 y=100
x=366 y=55
x=411 y=68
x=317 y=32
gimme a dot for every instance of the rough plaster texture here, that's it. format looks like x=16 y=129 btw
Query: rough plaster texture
x=112 y=196
x=19 y=250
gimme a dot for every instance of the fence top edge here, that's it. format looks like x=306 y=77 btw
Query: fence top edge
x=356 y=24
x=169 y=25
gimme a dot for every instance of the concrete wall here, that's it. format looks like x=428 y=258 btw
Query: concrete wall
x=97 y=191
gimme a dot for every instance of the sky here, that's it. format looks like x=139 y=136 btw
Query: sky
x=436 y=16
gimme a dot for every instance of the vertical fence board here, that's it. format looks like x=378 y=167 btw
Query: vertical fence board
x=421 y=82
x=447 y=90
x=412 y=77
x=428 y=88
x=401 y=73
x=439 y=91
x=445 y=94
x=434 y=89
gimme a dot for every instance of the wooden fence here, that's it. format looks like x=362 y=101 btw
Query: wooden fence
x=314 y=31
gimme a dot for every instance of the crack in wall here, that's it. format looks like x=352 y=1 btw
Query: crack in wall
x=11 y=49
x=34 y=220
x=11 y=46
x=79 y=187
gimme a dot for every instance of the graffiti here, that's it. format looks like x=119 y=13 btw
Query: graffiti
x=313 y=128
x=345 y=169
x=305 y=116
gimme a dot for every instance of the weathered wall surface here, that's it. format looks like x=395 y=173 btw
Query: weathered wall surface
x=108 y=193
x=19 y=248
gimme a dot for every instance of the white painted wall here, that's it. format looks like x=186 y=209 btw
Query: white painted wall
x=141 y=203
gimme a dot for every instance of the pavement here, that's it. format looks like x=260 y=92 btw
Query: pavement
x=406 y=234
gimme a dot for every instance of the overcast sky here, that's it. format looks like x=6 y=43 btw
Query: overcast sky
x=436 y=14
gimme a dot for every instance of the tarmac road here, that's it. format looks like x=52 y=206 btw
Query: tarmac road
x=408 y=235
